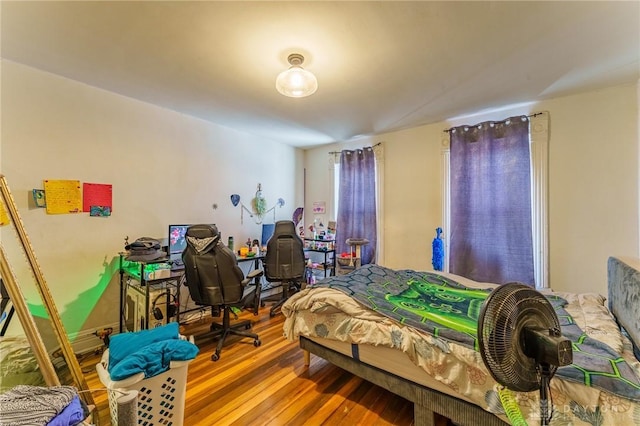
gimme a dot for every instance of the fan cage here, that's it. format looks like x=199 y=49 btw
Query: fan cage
x=506 y=312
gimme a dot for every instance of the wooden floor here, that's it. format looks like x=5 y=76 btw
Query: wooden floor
x=270 y=385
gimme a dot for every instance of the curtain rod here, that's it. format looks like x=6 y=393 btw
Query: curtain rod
x=340 y=152
x=500 y=121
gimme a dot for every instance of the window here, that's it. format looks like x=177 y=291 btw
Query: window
x=538 y=139
x=337 y=177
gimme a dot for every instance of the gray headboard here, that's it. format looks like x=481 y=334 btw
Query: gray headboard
x=623 y=276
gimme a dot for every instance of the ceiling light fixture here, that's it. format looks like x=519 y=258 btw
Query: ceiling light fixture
x=296 y=82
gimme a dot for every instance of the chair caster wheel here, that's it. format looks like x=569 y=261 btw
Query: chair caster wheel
x=215 y=357
x=272 y=314
x=257 y=343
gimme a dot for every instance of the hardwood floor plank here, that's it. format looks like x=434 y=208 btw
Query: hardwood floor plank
x=234 y=401
x=288 y=398
x=270 y=385
x=333 y=409
x=307 y=396
x=353 y=401
x=364 y=411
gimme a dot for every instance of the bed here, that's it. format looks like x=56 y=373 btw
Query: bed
x=345 y=321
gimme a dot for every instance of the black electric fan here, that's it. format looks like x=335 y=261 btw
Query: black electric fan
x=520 y=342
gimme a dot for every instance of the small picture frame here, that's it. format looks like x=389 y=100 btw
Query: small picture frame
x=100 y=211
x=319 y=207
x=38 y=198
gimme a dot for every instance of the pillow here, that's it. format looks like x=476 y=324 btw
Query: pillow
x=153 y=359
x=124 y=344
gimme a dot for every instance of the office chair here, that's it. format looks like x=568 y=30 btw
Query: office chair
x=214 y=279
x=284 y=261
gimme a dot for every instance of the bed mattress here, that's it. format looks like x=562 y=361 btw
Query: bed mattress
x=389 y=360
x=338 y=321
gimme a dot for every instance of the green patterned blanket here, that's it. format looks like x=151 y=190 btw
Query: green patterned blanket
x=449 y=310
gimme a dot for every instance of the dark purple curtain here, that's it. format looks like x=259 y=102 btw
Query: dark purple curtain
x=491 y=237
x=357 y=201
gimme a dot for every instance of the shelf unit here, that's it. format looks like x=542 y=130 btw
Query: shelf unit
x=322 y=253
x=140 y=295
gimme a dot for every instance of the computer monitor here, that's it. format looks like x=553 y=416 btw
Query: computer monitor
x=177 y=239
x=267 y=232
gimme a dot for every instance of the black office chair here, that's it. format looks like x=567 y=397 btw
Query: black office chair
x=284 y=261
x=214 y=279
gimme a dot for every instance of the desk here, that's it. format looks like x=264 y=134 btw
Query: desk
x=257 y=258
x=138 y=293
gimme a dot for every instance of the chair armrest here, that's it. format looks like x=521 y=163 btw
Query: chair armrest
x=252 y=276
x=255 y=273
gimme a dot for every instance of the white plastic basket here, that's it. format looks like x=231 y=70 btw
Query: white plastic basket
x=160 y=398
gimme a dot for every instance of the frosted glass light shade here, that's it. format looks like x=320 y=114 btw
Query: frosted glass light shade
x=296 y=82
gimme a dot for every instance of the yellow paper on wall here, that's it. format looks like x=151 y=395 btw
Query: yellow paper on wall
x=63 y=196
x=4 y=216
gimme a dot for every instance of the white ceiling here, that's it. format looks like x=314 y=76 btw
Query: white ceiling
x=381 y=66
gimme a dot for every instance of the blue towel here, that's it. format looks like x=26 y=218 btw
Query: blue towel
x=153 y=359
x=124 y=344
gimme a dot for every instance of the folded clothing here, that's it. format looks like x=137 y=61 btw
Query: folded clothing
x=33 y=405
x=72 y=414
x=147 y=351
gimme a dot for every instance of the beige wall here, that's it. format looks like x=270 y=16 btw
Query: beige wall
x=593 y=185
x=593 y=189
x=165 y=168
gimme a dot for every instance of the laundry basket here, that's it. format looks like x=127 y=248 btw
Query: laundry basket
x=160 y=398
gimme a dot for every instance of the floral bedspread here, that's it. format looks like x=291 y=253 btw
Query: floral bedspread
x=332 y=314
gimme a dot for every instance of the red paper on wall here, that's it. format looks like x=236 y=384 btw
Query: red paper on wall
x=96 y=194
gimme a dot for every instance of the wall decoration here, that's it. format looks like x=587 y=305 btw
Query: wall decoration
x=38 y=198
x=258 y=206
x=97 y=195
x=319 y=207
x=297 y=220
x=63 y=196
x=297 y=215
x=259 y=203
x=100 y=211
